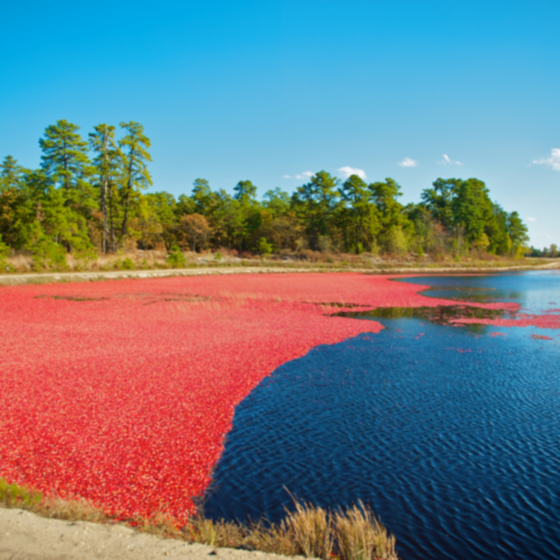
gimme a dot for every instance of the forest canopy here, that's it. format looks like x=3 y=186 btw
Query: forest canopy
x=90 y=196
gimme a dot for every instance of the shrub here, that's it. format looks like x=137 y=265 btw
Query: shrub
x=265 y=248
x=12 y=495
x=396 y=242
x=48 y=254
x=175 y=258
x=4 y=252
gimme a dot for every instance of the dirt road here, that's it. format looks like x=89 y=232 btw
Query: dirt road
x=51 y=277
x=26 y=536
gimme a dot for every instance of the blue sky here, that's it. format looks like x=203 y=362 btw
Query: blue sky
x=268 y=89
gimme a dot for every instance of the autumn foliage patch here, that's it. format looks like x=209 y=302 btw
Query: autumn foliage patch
x=122 y=392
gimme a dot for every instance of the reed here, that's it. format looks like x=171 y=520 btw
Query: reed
x=361 y=536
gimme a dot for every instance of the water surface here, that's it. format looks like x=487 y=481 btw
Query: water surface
x=451 y=434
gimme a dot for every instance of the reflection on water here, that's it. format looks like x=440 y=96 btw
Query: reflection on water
x=536 y=291
x=450 y=435
x=440 y=314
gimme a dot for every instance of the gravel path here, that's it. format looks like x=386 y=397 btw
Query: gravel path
x=49 y=277
x=26 y=536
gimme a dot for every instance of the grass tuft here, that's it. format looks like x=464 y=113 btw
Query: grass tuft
x=312 y=529
x=361 y=536
x=351 y=534
x=12 y=495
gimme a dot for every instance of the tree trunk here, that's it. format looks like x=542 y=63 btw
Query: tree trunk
x=111 y=220
x=313 y=244
x=125 y=218
x=104 y=192
x=127 y=199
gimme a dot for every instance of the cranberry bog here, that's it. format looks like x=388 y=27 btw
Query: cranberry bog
x=122 y=392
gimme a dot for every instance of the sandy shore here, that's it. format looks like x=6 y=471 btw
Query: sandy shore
x=26 y=536
x=51 y=277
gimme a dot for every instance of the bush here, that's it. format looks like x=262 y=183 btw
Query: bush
x=12 y=495
x=82 y=250
x=396 y=242
x=48 y=254
x=127 y=264
x=264 y=248
x=4 y=252
x=175 y=258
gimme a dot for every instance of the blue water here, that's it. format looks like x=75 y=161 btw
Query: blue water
x=450 y=434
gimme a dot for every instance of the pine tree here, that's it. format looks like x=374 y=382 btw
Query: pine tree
x=10 y=174
x=108 y=164
x=135 y=169
x=314 y=202
x=66 y=163
x=359 y=213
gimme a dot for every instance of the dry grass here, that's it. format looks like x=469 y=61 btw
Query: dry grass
x=351 y=534
x=157 y=260
x=312 y=530
x=361 y=536
x=14 y=496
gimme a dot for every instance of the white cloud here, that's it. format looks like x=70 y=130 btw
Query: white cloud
x=304 y=175
x=347 y=171
x=447 y=161
x=530 y=219
x=552 y=161
x=408 y=162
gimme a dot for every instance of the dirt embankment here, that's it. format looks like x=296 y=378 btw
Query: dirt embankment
x=51 y=277
x=26 y=536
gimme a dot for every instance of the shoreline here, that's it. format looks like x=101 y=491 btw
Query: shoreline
x=28 y=536
x=61 y=277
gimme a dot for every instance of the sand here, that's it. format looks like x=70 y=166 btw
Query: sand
x=26 y=536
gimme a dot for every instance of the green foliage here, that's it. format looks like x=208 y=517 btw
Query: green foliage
x=245 y=192
x=315 y=203
x=395 y=241
x=12 y=495
x=359 y=215
x=176 y=259
x=107 y=171
x=47 y=254
x=135 y=157
x=4 y=253
x=74 y=204
x=439 y=200
x=276 y=202
x=10 y=174
x=127 y=264
x=465 y=209
x=66 y=164
x=264 y=248
x=518 y=233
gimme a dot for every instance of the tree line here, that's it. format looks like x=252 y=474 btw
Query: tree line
x=87 y=197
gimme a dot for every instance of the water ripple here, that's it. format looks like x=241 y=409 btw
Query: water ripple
x=451 y=438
